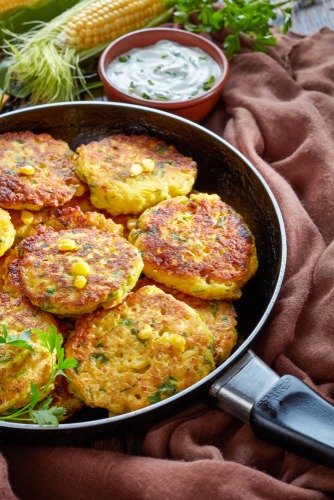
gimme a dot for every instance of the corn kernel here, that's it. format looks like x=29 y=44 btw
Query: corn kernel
x=174 y=339
x=148 y=164
x=80 y=282
x=135 y=169
x=131 y=223
x=140 y=363
x=80 y=268
x=27 y=170
x=27 y=217
x=80 y=190
x=66 y=244
x=145 y=333
x=21 y=232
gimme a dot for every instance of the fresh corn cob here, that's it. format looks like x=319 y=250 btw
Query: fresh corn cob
x=45 y=62
x=18 y=15
x=6 y=5
x=103 y=21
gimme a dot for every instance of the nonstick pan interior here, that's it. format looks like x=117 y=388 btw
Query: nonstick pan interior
x=221 y=170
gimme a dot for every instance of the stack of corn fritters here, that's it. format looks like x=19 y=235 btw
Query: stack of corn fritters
x=108 y=244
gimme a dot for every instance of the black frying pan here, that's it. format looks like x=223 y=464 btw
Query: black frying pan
x=282 y=410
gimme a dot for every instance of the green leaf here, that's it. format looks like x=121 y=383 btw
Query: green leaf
x=48 y=417
x=35 y=395
x=45 y=404
x=232 y=44
x=209 y=83
x=68 y=363
x=21 y=340
x=252 y=18
x=4 y=332
x=20 y=343
x=4 y=76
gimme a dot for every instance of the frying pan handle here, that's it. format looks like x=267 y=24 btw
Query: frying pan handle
x=284 y=411
x=294 y=416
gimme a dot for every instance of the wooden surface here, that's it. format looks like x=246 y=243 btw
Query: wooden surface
x=307 y=17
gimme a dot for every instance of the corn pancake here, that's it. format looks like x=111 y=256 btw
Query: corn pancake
x=83 y=202
x=10 y=280
x=197 y=245
x=141 y=352
x=7 y=231
x=20 y=367
x=35 y=171
x=71 y=272
x=128 y=173
x=2 y=270
x=61 y=396
x=73 y=217
x=218 y=315
x=66 y=217
x=25 y=220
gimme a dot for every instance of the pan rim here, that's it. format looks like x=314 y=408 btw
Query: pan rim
x=212 y=376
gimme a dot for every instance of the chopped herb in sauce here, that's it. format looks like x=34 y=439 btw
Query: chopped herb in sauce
x=209 y=83
x=159 y=72
x=124 y=59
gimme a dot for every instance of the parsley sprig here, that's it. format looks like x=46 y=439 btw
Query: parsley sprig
x=40 y=410
x=241 y=17
x=21 y=340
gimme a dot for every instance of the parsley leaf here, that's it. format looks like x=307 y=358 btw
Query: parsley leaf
x=21 y=340
x=241 y=17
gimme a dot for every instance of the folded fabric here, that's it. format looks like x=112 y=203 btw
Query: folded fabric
x=278 y=110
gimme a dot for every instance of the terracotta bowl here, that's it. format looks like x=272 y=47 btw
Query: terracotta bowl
x=194 y=109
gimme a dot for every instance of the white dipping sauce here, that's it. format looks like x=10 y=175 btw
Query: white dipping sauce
x=166 y=71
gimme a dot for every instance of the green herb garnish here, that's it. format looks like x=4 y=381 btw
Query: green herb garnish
x=40 y=410
x=21 y=340
x=146 y=96
x=209 y=83
x=241 y=17
x=98 y=356
x=165 y=390
x=124 y=59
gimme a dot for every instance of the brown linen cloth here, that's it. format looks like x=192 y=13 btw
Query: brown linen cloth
x=278 y=110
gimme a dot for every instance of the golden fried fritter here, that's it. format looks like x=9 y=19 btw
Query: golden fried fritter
x=197 y=245
x=141 y=352
x=20 y=367
x=218 y=315
x=35 y=171
x=74 y=271
x=73 y=218
x=66 y=217
x=128 y=173
x=7 y=231
x=25 y=220
x=2 y=270
x=9 y=279
x=61 y=396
